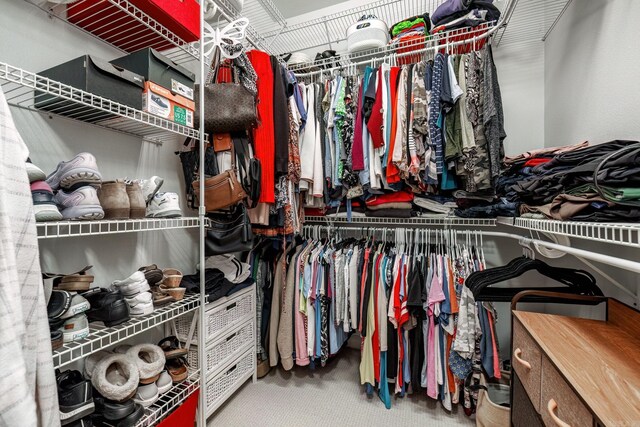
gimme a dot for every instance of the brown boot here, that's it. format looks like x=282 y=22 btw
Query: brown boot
x=136 y=201
x=114 y=200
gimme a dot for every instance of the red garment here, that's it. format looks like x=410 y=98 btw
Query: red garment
x=496 y=357
x=375 y=120
x=404 y=196
x=537 y=161
x=263 y=135
x=393 y=173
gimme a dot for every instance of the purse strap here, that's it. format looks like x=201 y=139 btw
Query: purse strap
x=212 y=76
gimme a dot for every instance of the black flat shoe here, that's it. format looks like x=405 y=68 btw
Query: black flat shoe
x=107 y=306
x=75 y=396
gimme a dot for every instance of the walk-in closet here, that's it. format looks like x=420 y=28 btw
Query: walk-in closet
x=340 y=212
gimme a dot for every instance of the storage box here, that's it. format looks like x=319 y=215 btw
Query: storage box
x=159 y=101
x=109 y=22
x=367 y=34
x=96 y=76
x=157 y=68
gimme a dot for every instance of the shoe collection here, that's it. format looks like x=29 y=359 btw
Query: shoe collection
x=117 y=385
x=73 y=305
x=76 y=191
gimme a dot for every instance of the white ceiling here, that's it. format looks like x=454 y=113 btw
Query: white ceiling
x=290 y=8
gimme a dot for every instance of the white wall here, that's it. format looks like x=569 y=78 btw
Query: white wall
x=33 y=41
x=591 y=74
x=521 y=75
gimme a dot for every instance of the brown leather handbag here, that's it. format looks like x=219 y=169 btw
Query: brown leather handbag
x=228 y=107
x=221 y=191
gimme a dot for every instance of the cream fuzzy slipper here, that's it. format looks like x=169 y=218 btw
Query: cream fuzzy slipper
x=116 y=377
x=150 y=361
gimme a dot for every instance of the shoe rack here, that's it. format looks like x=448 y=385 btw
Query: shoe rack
x=23 y=88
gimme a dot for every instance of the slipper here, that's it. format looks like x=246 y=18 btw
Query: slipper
x=150 y=361
x=147 y=395
x=171 y=278
x=171 y=347
x=116 y=377
x=92 y=360
x=152 y=273
x=178 y=369
x=78 y=281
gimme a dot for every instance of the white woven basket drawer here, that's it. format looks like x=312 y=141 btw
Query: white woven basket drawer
x=229 y=380
x=224 y=315
x=226 y=349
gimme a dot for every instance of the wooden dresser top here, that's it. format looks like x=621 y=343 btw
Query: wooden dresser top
x=600 y=360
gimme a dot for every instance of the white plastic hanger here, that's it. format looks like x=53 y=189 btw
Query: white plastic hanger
x=227 y=39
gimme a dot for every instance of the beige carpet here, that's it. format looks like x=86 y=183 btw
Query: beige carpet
x=330 y=396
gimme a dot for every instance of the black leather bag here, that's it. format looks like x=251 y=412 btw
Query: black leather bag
x=228 y=107
x=229 y=232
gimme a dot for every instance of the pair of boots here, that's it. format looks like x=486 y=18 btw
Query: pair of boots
x=122 y=201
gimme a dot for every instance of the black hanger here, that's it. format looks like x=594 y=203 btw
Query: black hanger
x=578 y=282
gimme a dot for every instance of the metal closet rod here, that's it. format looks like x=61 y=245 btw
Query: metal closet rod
x=506 y=17
x=523 y=241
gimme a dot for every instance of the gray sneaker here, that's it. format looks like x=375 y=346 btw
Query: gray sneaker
x=82 y=169
x=75 y=328
x=82 y=204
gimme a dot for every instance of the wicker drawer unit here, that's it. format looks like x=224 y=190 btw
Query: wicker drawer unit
x=225 y=349
x=227 y=381
x=221 y=316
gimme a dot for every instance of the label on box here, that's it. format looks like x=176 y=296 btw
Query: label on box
x=161 y=102
x=181 y=89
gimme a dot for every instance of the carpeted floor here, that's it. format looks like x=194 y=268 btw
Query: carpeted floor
x=330 y=396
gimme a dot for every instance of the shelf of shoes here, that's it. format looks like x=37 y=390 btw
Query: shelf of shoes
x=424 y=220
x=170 y=400
x=101 y=337
x=50 y=230
x=23 y=89
x=614 y=233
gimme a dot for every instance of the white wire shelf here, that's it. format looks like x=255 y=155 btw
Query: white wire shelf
x=122 y=25
x=615 y=233
x=413 y=49
x=170 y=400
x=101 y=337
x=50 y=230
x=24 y=89
x=439 y=220
x=332 y=29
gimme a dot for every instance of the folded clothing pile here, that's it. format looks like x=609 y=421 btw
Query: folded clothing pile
x=396 y=205
x=216 y=283
x=454 y=14
x=435 y=205
x=410 y=29
x=579 y=183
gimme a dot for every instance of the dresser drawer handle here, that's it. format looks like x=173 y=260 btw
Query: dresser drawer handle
x=551 y=407
x=516 y=354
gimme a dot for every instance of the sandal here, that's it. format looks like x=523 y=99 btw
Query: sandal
x=160 y=297
x=178 y=369
x=152 y=273
x=171 y=278
x=78 y=281
x=171 y=347
x=177 y=293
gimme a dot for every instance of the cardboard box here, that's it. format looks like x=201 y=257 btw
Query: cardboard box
x=96 y=76
x=159 y=101
x=105 y=19
x=157 y=68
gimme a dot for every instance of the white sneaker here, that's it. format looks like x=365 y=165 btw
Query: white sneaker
x=132 y=285
x=34 y=173
x=83 y=168
x=140 y=304
x=164 y=205
x=149 y=186
x=147 y=395
x=80 y=204
x=75 y=328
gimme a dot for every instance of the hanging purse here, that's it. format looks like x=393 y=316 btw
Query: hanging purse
x=229 y=232
x=222 y=190
x=228 y=107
